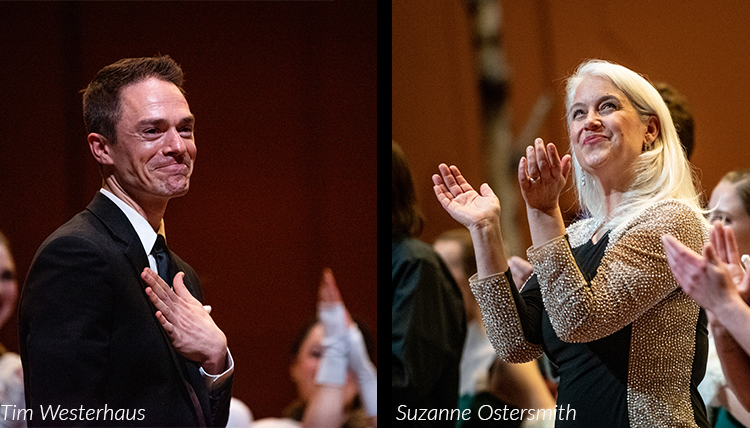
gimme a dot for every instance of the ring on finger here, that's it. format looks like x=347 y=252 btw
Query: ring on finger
x=534 y=180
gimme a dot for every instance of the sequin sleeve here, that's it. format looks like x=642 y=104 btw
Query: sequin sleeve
x=633 y=275
x=498 y=301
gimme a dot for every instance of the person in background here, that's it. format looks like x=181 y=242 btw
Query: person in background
x=240 y=415
x=486 y=379
x=602 y=302
x=681 y=113
x=11 y=372
x=729 y=205
x=716 y=281
x=720 y=400
x=331 y=368
x=428 y=323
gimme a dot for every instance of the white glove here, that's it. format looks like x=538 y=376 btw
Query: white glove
x=332 y=368
x=367 y=374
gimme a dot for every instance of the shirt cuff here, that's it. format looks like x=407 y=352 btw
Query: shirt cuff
x=214 y=382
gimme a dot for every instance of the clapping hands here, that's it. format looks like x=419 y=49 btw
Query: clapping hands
x=714 y=278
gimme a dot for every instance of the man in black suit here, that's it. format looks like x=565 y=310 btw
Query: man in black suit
x=104 y=340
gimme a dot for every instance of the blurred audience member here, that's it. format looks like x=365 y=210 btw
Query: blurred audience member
x=240 y=415
x=730 y=205
x=682 y=115
x=716 y=281
x=11 y=373
x=428 y=324
x=335 y=379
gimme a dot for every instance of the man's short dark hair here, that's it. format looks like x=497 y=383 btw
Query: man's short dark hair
x=101 y=98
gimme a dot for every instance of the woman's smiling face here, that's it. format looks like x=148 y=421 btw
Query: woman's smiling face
x=606 y=132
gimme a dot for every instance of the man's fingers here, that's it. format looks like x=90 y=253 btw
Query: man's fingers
x=460 y=180
x=154 y=280
x=449 y=180
x=159 y=304
x=164 y=295
x=165 y=324
x=181 y=290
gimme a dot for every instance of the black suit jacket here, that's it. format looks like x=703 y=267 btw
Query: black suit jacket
x=89 y=338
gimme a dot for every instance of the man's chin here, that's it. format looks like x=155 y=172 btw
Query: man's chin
x=178 y=192
x=177 y=189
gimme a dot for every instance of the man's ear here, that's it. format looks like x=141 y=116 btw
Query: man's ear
x=100 y=148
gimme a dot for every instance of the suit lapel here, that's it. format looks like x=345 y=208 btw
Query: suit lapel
x=122 y=231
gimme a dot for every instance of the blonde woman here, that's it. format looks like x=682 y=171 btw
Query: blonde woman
x=603 y=303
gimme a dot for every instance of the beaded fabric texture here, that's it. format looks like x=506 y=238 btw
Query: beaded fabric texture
x=501 y=321
x=633 y=284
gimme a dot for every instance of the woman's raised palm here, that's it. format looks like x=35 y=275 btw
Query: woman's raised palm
x=462 y=202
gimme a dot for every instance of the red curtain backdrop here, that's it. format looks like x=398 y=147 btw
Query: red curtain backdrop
x=284 y=183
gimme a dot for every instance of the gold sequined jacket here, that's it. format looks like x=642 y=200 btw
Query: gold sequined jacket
x=633 y=285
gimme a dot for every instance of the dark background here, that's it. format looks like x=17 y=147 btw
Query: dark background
x=284 y=185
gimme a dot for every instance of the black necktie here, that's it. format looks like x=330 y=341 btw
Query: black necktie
x=161 y=254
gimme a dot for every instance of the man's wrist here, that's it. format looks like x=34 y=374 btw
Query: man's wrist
x=214 y=381
x=217 y=363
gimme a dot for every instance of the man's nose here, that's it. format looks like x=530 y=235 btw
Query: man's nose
x=174 y=142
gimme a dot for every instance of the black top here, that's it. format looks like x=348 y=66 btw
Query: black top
x=428 y=327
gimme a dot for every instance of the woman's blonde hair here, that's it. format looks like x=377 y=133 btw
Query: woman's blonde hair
x=661 y=172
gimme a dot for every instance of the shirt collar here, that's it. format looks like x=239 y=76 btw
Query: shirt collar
x=145 y=233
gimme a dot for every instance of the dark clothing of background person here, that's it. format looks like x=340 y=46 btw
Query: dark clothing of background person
x=428 y=324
